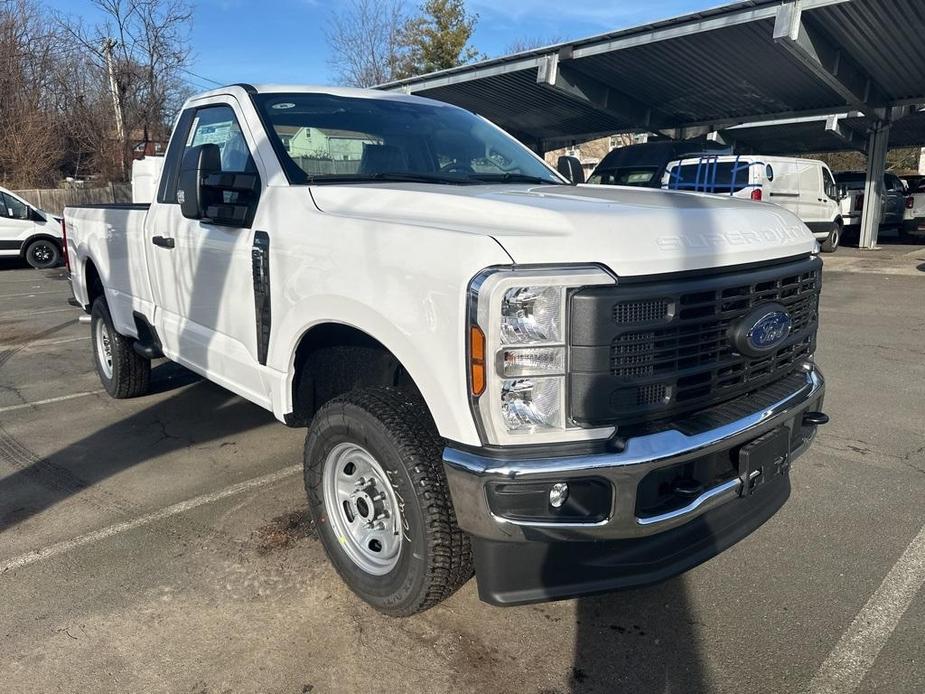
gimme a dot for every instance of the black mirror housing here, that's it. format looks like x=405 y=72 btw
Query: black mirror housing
x=570 y=167
x=206 y=192
x=198 y=162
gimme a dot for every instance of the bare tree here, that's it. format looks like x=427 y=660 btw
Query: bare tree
x=365 y=41
x=147 y=42
x=29 y=124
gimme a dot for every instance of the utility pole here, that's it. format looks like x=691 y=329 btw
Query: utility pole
x=108 y=45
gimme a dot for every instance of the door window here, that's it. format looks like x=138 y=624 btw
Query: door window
x=13 y=208
x=209 y=125
x=217 y=125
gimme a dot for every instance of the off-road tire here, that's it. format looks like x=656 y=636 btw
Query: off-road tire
x=131 y=373
x=830 y=245
x=398 y=431
x=43 y=254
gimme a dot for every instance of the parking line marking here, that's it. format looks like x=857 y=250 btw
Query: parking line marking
x=43 y=343
x=104 y=533
x=60 y=398
x=859 y=646
x=13 y=296
x=28 y=314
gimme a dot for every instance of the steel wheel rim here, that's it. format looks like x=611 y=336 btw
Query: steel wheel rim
x=104 y=348
x=362 y=508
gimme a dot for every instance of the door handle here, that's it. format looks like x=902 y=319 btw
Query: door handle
x=163 y=242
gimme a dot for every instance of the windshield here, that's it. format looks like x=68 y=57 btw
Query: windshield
x=851 y=180
x=322 y=138
x=635 y=176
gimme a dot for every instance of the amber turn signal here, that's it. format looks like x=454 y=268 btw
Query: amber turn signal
x=476 y=360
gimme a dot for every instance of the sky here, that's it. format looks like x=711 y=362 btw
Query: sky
x=266 y=41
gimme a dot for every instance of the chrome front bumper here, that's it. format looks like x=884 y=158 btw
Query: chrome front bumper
x=469 y=474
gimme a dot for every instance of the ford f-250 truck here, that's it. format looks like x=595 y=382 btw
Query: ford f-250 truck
x=565 y=389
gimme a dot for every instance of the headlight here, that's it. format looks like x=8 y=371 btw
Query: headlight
x=531 y=314
x=518 y=353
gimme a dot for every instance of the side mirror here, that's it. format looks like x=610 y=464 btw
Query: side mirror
x=198 y=163
x=206 y=192
x=36 y=216
x=842 y=191
x=570 y=167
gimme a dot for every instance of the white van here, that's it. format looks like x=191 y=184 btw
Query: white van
x=28 y=232
x=806 y=187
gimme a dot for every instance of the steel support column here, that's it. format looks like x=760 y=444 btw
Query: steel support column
x=877 y=143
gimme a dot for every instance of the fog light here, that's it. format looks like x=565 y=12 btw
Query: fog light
x=558 y=494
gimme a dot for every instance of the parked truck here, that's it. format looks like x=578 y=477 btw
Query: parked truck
x=893 y=201
x=563 y=389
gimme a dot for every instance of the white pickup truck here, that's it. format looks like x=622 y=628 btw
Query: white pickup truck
x=565 y=389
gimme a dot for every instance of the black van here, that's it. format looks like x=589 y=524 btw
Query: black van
x=644 y=164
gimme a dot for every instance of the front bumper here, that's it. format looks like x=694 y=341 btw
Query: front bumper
x=503 y=545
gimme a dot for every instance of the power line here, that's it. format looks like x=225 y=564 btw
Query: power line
x=202 y=77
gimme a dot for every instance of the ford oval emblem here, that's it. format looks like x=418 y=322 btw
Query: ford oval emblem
x=761 y=330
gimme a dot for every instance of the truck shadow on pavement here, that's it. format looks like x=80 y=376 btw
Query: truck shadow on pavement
x=196 y=418
x=641 y=640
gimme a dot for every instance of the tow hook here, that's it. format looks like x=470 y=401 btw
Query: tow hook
x=815 y=418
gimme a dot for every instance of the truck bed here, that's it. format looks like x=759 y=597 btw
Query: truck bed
x=113 y=235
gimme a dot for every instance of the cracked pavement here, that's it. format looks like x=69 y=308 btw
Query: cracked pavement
x=235 y=594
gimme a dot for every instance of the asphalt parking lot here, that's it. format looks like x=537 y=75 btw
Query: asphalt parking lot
x=160 y=544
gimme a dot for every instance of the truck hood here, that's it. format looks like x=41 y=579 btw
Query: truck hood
x=633 y=231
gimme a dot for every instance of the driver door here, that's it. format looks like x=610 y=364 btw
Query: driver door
x=204 y=278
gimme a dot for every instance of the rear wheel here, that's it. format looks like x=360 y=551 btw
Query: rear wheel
x=123 y=373
x=43 y=254
x=379 y=499
x=830 y=245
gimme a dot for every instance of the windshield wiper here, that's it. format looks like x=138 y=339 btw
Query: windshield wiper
x=391 y=176
x=513 y=178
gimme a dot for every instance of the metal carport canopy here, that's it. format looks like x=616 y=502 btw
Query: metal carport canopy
x=744 y=62
x=832 y=133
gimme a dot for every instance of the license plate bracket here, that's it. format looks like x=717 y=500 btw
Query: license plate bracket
x=764 y=459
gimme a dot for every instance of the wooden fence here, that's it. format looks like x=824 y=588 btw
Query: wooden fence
x=54 y=200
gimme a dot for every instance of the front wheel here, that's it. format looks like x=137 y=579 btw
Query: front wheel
x=123 y=373
x=379 y=499
x=43 y=254
x=830 y=245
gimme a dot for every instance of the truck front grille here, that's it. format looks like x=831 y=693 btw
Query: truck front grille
x=648 y=350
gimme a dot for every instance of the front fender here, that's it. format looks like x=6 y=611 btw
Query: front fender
x=434 y=359
x=406 y=287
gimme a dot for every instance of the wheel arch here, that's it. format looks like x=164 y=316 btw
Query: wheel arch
x=428 y=344
x=332 y=357
x=93 y=282
x=41 y=236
